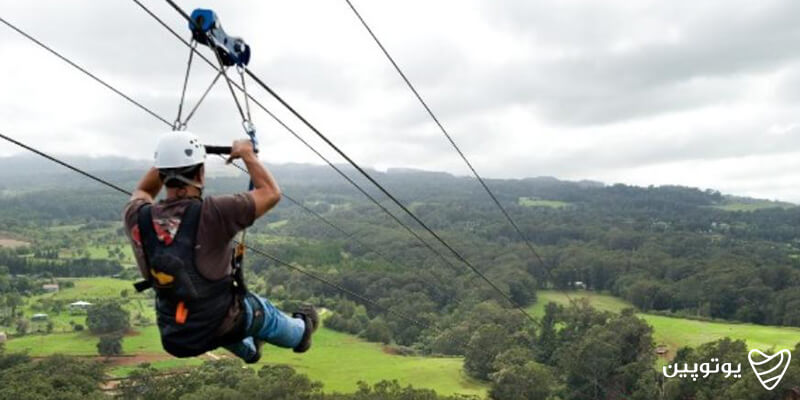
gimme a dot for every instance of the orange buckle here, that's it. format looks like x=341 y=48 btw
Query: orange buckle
x=239 y=250
x=181 y=312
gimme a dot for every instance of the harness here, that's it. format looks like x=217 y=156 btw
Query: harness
x=190 y=309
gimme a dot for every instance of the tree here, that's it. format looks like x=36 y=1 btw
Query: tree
x=451 y=341
x=55 y=377
x=110 y=345
x=12 y=359
x=528 y=381
x=547 y=342
x=609 y=359
x=486 y=343
x=108 y=317
x=14 y=300
x=23 y=325
x=378 y=331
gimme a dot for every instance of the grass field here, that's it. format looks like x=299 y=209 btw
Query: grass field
x=752 y=206
x=338 y=360
x=678 y=332
x=534 y=202
x=144 y=341
x=85 y=289
x=12 y=243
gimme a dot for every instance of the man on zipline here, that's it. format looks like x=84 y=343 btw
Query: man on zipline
x=183 y=246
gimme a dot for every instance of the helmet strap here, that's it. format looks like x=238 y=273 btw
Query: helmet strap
x=178 y=175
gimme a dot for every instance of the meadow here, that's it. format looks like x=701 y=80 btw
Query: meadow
x=675 y=332
x=536 y=202
x=337 y=360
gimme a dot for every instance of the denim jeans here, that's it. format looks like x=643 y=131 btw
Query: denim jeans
x=277 y=328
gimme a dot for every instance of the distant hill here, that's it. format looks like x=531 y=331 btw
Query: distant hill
x=18 y=172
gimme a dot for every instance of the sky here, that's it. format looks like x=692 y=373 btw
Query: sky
x=694 y=93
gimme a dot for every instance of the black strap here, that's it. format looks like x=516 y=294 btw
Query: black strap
x=190 y=221
x=149 y=237
x=142 y=285
x=146 y=232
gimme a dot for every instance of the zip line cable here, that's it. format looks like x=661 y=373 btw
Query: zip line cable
x=369 y=177
x=349 y=235
x=154 y=114
x=255 y=250
x=64 y=164
x=325 y=220
x=324 y=138
x=372 y=180
x=78 y=67
x=340 y=288
x=308 y=145
x=450 y=139
x=109 y=184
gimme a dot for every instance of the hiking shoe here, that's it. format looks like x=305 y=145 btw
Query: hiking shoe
x=309 y=315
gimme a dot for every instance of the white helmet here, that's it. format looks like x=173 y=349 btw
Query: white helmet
x=179 y=149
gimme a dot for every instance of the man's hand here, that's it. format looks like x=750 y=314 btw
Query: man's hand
x=241 y=148
x=266 y=192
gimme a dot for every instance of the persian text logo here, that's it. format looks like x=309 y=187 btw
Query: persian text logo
x=769 y=369
x=705 y=369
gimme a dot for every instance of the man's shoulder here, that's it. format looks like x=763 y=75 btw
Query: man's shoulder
x=235 y=211
x=131 y=210
x=228 y=200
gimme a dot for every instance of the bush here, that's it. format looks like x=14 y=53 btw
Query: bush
x=110 y=345
x=378 y=331
x=108 y=317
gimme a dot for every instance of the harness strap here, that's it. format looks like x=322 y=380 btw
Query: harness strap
x=146 y=232
x=149 y=239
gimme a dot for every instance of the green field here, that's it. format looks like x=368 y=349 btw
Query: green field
x=752 y=205
x=142 y=341
x=535 y=202
x=678 y=332
x=338 y=360
x=91 y=288
x=85 y=289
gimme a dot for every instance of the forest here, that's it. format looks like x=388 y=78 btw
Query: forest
x=669 y=250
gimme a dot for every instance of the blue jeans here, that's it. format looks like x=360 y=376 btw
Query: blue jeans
x=277 y=328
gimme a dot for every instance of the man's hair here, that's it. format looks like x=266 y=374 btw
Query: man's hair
x=191 y=173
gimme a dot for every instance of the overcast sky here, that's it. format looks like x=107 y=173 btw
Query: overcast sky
x=698 y=93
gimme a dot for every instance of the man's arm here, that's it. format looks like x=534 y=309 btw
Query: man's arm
x=148 y=186
x=266 y=192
